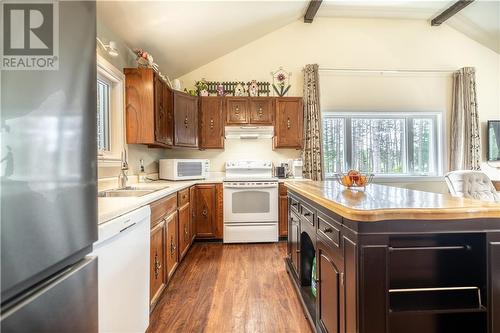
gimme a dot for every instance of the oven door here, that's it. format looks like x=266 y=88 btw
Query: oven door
x=251 y=202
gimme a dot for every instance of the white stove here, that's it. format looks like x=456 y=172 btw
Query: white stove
x=250 y=202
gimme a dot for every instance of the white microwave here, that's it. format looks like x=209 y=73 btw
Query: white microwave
x=183 y=169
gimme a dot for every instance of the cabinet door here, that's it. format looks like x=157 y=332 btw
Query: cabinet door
x=283 y=211
x=261 y=110
x=159 y=111
x=205 y=211
x=237 y=110
x=294 y=241
x=156 y=262
x=329 y=294
x=185 y=120
x=168 y=115
x=171 y=245
x=184 y=235
x=192 y=209
x=212 y=123
x=289 y=123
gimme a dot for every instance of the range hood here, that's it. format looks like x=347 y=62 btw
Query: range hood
x=249 y=132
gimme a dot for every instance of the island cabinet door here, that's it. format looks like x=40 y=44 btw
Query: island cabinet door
x=330 y=311
x=294 y=240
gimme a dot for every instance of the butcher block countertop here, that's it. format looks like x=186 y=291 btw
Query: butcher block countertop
x=383 y=203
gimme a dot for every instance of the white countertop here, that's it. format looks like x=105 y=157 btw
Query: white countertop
x=112 y=207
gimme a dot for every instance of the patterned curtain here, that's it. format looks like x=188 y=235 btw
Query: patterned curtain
x=465 y=143
x=312 y=156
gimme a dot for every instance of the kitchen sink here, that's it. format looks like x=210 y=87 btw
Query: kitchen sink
x=129 y=191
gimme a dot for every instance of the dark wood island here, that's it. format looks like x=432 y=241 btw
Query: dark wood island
x=393 y=260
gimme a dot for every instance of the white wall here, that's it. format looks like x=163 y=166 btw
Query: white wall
x=367 y=44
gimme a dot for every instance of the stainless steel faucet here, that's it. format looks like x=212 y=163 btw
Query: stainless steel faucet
x=122 y=176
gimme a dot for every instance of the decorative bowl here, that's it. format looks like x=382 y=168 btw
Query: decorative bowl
x=354 y=179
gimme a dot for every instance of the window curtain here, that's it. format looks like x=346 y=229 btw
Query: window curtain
x=465 y=143
x=312 y=156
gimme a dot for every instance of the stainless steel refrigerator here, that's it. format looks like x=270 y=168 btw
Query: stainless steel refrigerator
x=48 y=181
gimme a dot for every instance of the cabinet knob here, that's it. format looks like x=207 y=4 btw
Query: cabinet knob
x=186 y=122
x=307 y=214
x=211 y=123
x=288 y=123
x=185 y=230
x=327 y=230
x=204 y=212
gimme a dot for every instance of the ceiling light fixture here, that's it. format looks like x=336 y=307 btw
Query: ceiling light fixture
x=111 y=48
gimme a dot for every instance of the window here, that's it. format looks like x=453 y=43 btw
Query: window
x=103 y=128
x=396 y=144
x=110 y=109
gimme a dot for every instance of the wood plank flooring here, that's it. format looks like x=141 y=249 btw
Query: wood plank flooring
x=231 y=288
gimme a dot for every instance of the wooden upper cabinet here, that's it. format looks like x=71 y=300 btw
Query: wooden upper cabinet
x=261 y=110
x=211 y=123
x=146 y=108
x=185 y=120
x=289 y=123
x=168 y=114
x=237 y=110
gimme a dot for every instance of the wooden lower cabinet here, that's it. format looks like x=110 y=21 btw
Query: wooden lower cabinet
x=208 y=211
x=184 y=229
x=171 y=245
x=330 y=290
x=156 y=262
x=283 y=211
x=192 y=212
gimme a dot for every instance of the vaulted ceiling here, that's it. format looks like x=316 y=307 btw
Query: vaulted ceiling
x=183 y=35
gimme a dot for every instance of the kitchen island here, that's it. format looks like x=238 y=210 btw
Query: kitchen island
x=393 y=260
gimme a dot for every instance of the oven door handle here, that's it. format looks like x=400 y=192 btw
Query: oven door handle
x=250 y=187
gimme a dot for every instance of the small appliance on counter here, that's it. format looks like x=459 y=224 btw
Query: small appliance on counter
x=297 y=168
x=183 y=169
x=280 y=172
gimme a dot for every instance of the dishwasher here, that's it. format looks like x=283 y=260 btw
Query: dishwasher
x=123 y=272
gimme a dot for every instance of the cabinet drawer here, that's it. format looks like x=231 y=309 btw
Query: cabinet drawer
x=294 y=204
x=162 y=207
x=329 y=228
x=183 y=197
x=307 y=213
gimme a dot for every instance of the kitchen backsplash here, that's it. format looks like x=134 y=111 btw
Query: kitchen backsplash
x=235 y=149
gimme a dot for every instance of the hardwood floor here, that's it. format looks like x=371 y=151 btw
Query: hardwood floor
x=231 y=288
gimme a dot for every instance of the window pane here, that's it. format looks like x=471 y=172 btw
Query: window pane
x=333 y=145
x=102 y=116
x=378 y=145
x=423 y=146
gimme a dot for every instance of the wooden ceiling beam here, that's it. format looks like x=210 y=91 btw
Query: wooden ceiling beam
x=449 y=12
x=312 y=9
